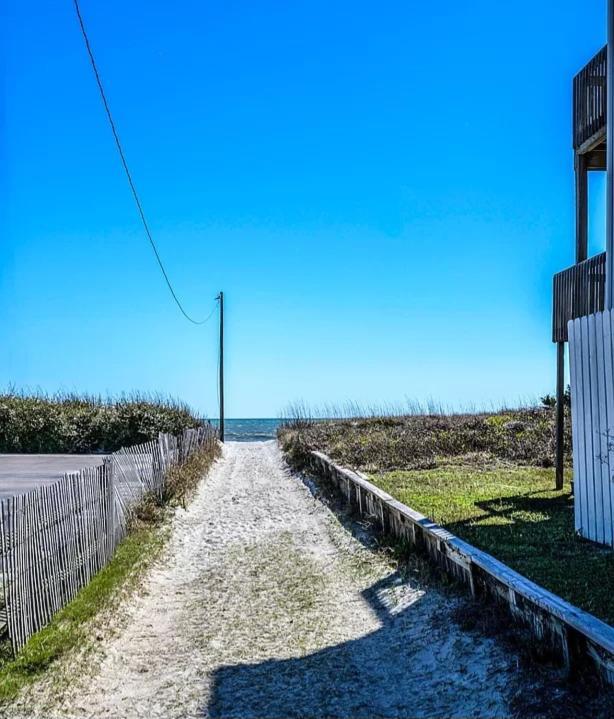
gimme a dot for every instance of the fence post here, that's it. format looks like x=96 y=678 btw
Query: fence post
x=107 y=464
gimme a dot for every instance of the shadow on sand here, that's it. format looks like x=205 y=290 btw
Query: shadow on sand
x=411 y=666
x=418 y=663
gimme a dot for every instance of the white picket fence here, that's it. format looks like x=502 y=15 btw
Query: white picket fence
x=591 y=360
x=55 y=538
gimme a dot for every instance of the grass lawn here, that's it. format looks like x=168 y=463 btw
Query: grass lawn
x=513 y=513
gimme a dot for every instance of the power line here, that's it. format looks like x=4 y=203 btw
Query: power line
x=127 y=170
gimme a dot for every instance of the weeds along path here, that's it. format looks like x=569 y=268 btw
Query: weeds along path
x=264 y=605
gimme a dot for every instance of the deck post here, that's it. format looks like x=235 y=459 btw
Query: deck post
x=581 y=208
x=560 y=414
x=609 y=243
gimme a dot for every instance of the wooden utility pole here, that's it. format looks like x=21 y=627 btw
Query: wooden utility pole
x=560 y=414
x=221 y=378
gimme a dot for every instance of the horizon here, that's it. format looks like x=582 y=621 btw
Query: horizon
x=384 y=223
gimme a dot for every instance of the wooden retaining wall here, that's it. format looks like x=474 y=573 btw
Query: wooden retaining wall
x=576 y=637
x=54 y=539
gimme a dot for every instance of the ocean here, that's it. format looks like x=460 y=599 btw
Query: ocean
x=249 y=430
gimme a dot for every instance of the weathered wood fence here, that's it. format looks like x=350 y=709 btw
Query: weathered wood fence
x=56 y=537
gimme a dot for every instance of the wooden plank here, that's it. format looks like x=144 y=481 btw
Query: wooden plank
x=21 y=574
x=576 y=429
x=63 y=538
x=602 y=322
x=14 y=586
x=596 y=392
x=581 y=208
x=54 y=550
x=7 y=565
x=589 y=527
x=75 y=518
x=581 y=418
x=37 y=568
x=608 y=352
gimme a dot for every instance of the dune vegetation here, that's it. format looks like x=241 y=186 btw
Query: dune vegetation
x=73 y=423
x=376 y=440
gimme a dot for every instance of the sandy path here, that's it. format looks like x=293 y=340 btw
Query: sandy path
x=263 y=605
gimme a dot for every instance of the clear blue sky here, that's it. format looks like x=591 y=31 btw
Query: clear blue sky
x=383 y=191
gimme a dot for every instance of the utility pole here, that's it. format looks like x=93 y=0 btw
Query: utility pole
x=221 y=379
x=560 y=415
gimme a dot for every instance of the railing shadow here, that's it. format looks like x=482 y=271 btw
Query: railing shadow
x=398 y=670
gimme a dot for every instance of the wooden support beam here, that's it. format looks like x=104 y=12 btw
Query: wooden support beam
x=594 y=141
x=560 y=414
x=596 y=159
x=581 y=208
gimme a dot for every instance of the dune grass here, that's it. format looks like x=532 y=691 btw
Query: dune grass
x=412 y=441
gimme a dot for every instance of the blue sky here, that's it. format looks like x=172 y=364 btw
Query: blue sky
x=383 y=192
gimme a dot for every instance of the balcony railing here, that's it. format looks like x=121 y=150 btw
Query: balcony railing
x=589 y=100
x=578 y=291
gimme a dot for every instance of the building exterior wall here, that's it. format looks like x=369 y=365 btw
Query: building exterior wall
x=591 y=359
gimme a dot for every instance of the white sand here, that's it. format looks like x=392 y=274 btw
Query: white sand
x=263 y=605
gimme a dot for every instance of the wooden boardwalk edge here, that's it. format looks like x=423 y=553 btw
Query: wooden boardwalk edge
x=576 y=637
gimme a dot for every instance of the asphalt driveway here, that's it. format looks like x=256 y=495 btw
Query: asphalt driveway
x=20 y=473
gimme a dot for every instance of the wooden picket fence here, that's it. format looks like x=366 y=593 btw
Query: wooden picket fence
x=55 y=538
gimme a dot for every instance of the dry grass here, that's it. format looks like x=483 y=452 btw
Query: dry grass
x=384 y=443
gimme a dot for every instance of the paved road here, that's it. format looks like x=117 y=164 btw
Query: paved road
x=264 y=605
x=19 y=473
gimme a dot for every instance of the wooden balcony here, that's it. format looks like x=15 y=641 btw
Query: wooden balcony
x=589 y=110
x=578 y=291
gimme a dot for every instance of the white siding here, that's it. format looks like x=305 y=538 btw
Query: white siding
x=591 y=356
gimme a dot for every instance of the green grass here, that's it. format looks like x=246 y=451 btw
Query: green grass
x=513 y=513
x=70 y=628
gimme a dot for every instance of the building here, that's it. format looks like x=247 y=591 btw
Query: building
x=583 y=316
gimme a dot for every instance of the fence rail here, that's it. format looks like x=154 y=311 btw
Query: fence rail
x=577 y=291
x=589 y=99
x=55 y=538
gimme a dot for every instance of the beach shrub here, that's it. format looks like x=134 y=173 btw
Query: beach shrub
x=69 y=423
